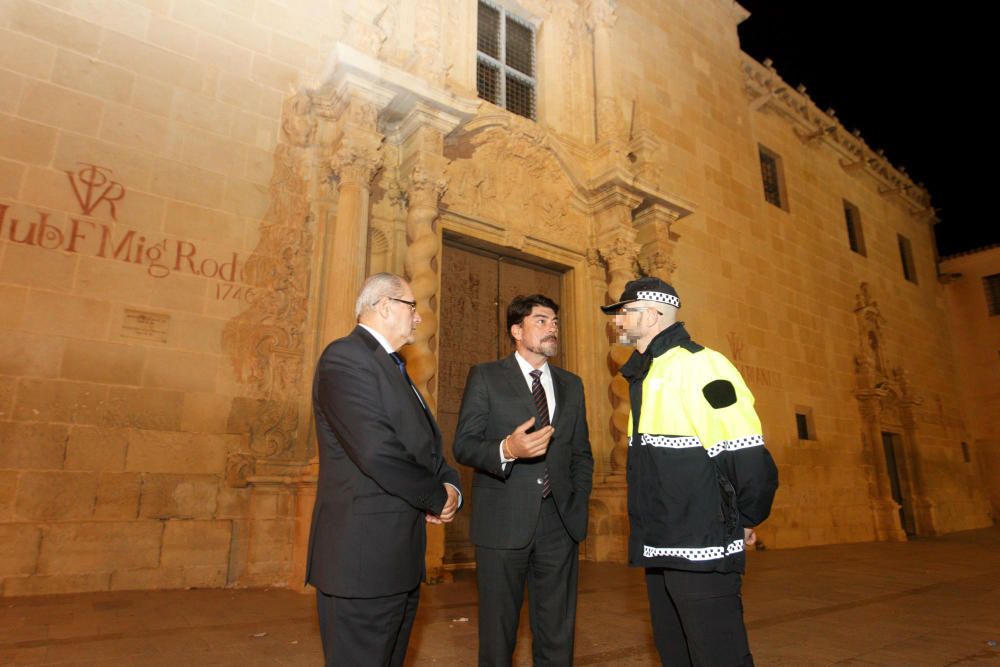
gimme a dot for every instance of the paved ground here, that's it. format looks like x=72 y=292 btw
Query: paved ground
x=928 y=602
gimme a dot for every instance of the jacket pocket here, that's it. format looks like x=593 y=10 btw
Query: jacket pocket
x=728 y=511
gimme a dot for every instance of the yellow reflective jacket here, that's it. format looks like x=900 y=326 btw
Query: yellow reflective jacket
x=698 y=471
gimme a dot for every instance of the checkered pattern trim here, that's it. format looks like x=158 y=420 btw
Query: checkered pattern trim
x=705 y=553
x=660 y=297
x=673 y=442
x=733 y=445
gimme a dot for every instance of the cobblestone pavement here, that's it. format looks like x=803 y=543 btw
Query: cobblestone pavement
x=927 y=602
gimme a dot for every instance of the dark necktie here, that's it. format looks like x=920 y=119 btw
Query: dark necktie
x=401 y=363
x=542 y=408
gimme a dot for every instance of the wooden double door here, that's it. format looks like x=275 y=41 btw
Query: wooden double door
x=476 y=287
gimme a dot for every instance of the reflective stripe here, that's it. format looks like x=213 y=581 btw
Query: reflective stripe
x=661 y=297
x=674 y=442
x=733 y=445
x=705 y=553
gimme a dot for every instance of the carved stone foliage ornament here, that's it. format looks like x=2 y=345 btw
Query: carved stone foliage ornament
x=512 y=178
x=266 y=341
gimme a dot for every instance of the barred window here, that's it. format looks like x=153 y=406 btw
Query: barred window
x=992 y=286
x=771 y=174
x=906 y=257
x=804 y=427
x=855 y=237
x=505 y=60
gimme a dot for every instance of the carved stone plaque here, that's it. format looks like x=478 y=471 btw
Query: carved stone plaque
x=142 y=325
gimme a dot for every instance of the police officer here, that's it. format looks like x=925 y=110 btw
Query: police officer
x=699 y=480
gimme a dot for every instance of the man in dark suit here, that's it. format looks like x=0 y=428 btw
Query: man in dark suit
x=523 y=427
x=382 y=477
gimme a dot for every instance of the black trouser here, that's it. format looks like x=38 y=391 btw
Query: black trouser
x=366 y=631
x=549 y=564
x=698 y=618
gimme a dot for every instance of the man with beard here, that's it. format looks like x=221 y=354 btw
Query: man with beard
x=699 y=480
x=382 y=478
x=523 y=427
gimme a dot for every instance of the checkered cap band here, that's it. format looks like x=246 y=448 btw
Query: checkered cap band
x=660 y=297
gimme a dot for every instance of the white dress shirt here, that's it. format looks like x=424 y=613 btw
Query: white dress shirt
x=545 y=379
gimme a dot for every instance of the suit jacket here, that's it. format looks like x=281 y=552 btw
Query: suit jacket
x=380 y=470
x=506 y=500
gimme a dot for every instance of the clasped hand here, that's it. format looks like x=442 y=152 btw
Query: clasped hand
x=450 y=507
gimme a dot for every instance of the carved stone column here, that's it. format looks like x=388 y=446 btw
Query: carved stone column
x=617 y=247
x=656 y=239
x=422 y=134
x=611 y=122
x=356 y=157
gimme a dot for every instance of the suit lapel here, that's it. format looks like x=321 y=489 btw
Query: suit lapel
x=390 y=368
x=560 y=396
x=518 y=384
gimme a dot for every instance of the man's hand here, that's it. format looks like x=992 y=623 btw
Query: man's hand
x=450 y=507
x=523 y=445
x=749 y=537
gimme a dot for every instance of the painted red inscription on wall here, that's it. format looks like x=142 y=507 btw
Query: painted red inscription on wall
x=92 y=186
x=161 y=258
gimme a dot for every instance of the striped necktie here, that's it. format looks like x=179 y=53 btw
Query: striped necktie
x=542 y=408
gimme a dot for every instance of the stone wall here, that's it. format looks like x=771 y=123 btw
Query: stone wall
x=190 y=192
x=137 y=148
x=975 y=339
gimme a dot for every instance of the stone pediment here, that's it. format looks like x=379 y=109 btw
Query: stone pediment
x=504 y=172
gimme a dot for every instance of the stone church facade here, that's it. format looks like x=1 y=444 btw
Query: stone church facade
x=191 y=194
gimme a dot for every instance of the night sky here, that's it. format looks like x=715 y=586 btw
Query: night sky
x=904 y=74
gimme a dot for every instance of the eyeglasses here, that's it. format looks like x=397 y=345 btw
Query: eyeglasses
x=411 y=304
x=639 y=310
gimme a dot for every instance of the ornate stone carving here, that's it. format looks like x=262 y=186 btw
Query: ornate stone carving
x=357 y=159
x=601 y=14
x=512 y=178
x=239 y=468
x=265 y=342
x=298 y=124
x=362 y=31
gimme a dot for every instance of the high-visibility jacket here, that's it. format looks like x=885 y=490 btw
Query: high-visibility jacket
x=698 y=471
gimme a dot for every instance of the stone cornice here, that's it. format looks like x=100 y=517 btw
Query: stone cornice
x=593 y=169
x=398 y=91
x=766 y=88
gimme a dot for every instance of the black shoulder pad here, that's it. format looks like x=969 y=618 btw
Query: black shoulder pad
x=719 y=393
x=691 y=346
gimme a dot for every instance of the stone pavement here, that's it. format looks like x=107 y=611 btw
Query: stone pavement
x=927 y=602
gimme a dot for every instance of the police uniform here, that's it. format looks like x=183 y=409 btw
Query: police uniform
x=698 y=473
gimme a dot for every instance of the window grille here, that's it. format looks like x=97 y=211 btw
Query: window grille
x=804 y=426
x=906 y=257
x=992 y=286
x=770 y=172
x=505 y=60
x=855 y=237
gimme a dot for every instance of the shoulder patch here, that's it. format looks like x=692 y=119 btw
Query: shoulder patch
x=691 y=346
x=719 y=393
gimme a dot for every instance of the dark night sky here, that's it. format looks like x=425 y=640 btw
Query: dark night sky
x=904 y=75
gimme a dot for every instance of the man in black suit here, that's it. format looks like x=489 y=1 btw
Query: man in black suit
x=382 y=477
x=523 y=427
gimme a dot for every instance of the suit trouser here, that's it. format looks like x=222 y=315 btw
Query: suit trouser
x=549 y=565
x=366 y=631
x=698 y=618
